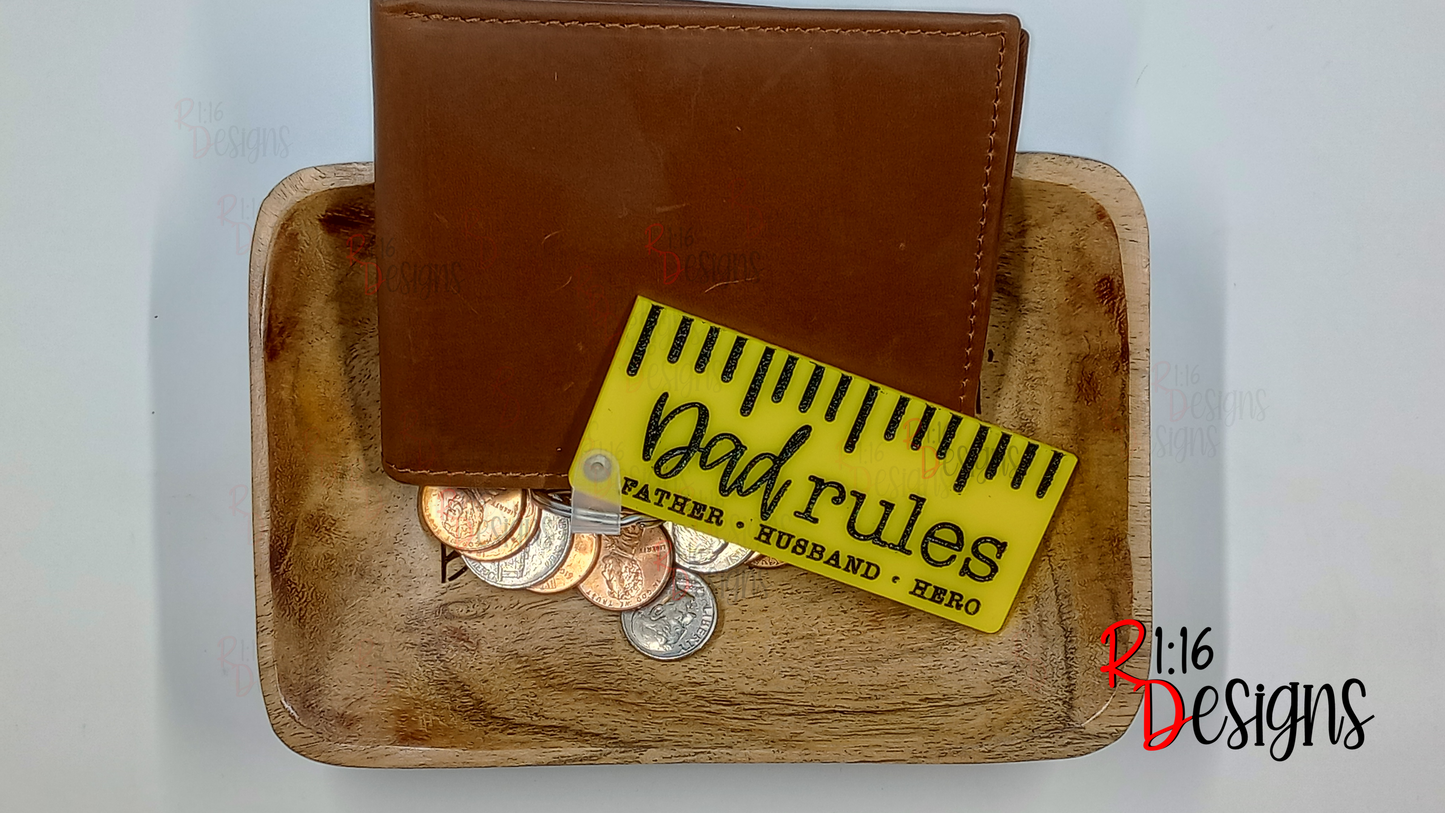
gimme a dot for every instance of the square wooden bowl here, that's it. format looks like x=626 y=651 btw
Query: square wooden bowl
x=374 y=650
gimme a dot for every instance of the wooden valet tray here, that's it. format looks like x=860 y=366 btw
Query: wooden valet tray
x=370 y=656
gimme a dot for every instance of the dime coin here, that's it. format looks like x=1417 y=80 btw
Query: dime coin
x=631 y=570
x=521 y=535
x=470 y=520
x=677 y=623
x=731 y=556
x=580 y=559
x=533 y=563
x=693 y=548
x=765 y=561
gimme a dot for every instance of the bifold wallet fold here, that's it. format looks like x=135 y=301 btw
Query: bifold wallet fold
x=829 y=181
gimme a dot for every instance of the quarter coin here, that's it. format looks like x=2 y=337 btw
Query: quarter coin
x=730 y=557
x=470 y=520
x=521 y=535
x=535 y=562
x=692 y=547
x=677 y=623
x=632 y=568
x=580 y=558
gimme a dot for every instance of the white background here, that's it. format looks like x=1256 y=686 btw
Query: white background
x=1288 y=155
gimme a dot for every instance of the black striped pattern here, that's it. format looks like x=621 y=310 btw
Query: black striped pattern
x=858 y=423
x=705 y=354
x=756 y=385
x=1053 y=469
x=1024 y=463
x=896 y=418
x=971 y=459
x=922 y=427
x=640 y=349
x=732 y=363
x=839 y=393
x=948 y=433
x=998 y=454
x=811 y=391
x=784 y=379
x=679 y=340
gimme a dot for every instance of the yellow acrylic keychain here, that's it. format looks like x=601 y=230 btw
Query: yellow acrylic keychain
x=721 y=432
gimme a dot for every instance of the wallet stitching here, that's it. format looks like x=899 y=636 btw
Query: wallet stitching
x=987 y=167
x=487 y=473
x=417 y=15
x=983 y=219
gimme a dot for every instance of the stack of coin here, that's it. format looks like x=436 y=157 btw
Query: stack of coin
x=519 y=539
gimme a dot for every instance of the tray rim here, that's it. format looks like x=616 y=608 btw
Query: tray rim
x=1106 y=185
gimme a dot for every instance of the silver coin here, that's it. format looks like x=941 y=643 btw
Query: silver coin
x=730 y=557
x=676 y=623
x=693 y=548
x=535 y=562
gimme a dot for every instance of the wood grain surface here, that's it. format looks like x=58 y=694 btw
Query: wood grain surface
x=370 y=655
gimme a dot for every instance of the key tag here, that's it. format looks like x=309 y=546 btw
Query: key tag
x=596 y=493
x=721 y=432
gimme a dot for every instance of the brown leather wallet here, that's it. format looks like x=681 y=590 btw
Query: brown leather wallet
x=831 y=181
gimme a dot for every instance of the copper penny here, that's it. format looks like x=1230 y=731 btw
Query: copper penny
x=524 y=532
x=580 y=559
x=470 y=520
x=763 y=560
x=632 y=568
